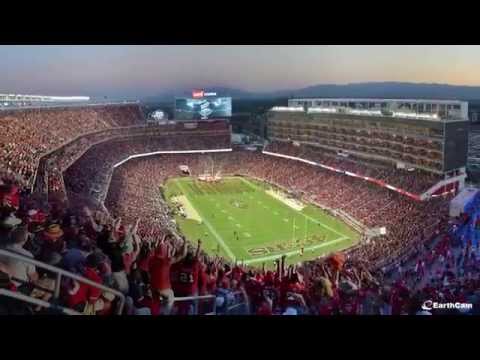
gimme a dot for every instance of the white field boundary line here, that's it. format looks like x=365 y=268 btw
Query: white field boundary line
x=210 y=227
x=294 y=252
x=190 y=212
x=305 y=215
x=172 y=152
x=294 y=204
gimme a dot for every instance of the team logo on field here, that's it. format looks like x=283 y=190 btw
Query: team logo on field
x=282 y=247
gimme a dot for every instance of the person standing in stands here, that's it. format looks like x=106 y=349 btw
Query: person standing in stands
x=185 y=279
x=115 y=248
x=8 y=305
x=159 y=269
x=22 y=272
x=81 y=294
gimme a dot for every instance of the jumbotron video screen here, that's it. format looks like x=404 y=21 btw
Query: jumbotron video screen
x=203 y=108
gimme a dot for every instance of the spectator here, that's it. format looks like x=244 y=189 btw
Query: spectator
x=159 y=268
x=22 y=272
x=185 y=277
x=82 y=296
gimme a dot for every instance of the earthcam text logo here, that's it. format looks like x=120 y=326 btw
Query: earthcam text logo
x=433 y=305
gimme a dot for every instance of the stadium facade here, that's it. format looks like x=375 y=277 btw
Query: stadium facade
x=422 y=135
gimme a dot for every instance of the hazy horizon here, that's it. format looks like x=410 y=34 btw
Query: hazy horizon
x=117 y=71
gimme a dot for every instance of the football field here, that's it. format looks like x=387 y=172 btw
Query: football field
x=246 y=220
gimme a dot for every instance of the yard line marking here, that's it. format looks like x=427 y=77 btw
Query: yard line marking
x=308 y=217
x=294 y=252
x=213 y=231
x=322 y=225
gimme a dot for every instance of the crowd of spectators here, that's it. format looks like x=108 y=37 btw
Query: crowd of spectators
x=170 y=136
x=406 y=221
x=153 y=267
x=91 y=173
x=134 y=247
x=28 y=134
x=416 y=181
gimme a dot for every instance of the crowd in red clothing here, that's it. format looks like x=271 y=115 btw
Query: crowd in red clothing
x=136 y=248
x=152 y=267
x=89 y=175
x=134 y=190
x=416 y=182
x=28 y=134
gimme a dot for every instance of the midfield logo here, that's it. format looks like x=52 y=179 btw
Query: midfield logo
x=280 y=247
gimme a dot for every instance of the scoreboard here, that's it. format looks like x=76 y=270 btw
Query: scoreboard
x=203 y=106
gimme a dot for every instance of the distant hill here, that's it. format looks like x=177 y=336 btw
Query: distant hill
x=366 y=90
x=388 y=90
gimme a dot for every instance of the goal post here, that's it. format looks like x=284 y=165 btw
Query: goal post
x=210 y=172
x=209 y=177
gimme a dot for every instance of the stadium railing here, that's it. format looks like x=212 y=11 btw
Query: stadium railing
x=196 y=299
x=239 y=306
x=37 y=302
x=60 y=273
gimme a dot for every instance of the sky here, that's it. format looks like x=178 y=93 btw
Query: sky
x=151 y=70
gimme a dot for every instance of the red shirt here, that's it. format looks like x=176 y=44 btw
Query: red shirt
x=160 y=273
x=83 y=292
x=144 y=263
x=237 y=273
x=12 y=198
x=254 y=290
x=152 y=304
x=269 y=278
x=264 y=309
x=211 y=284
x=93 y=293
x=327 y=308
x=185 y=278
x=350 y=307
x=203 y=280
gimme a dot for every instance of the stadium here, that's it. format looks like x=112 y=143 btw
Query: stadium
x=346 y=207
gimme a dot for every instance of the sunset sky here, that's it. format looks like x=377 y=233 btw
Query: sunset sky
x=149 y=70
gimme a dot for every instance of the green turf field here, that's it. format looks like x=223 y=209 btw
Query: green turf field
x=241 y=221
